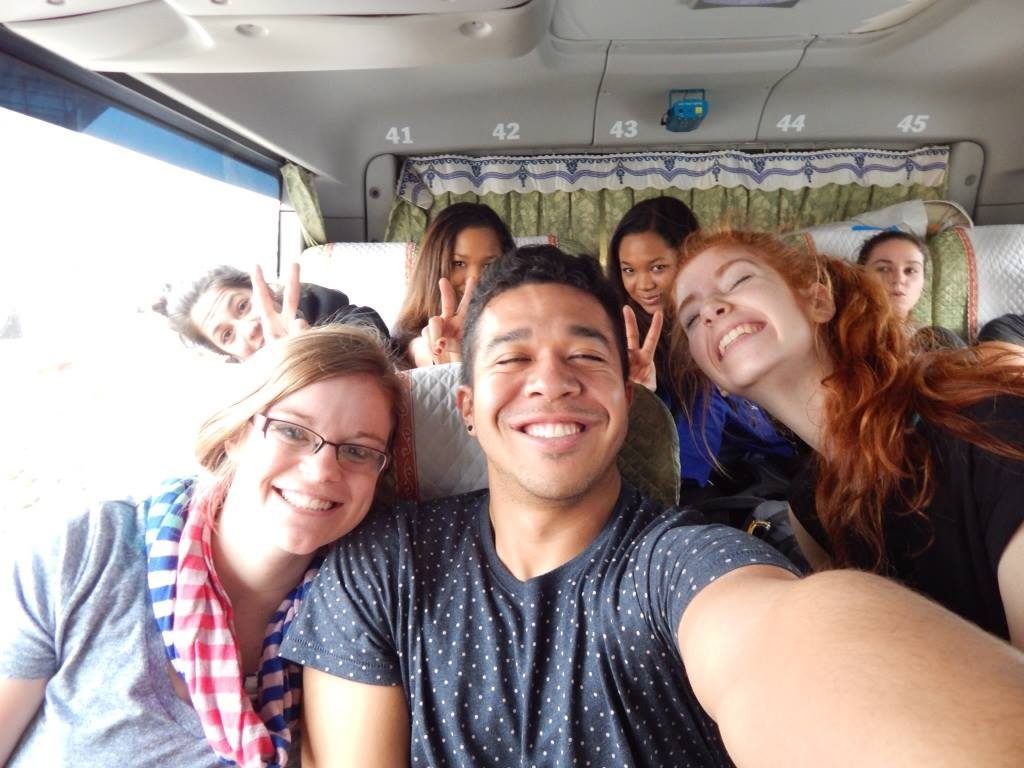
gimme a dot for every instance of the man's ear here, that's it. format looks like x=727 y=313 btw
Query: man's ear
x=464 y=402
x=629 y=393
x=821 y=305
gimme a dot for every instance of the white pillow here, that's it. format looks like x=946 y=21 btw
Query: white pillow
x=843 y=239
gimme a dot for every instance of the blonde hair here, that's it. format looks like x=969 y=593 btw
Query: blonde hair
x=288 y=366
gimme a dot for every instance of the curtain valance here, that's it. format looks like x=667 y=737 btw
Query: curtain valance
x=425 y=177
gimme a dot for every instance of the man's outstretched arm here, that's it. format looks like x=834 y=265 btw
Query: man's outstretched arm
x=848 y=669
x=346 y=724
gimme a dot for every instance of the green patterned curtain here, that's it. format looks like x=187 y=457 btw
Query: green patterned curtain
x=299 y=184
x=584 y=220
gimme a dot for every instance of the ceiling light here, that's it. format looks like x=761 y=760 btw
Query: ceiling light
x=476 y=29
x=252 y=30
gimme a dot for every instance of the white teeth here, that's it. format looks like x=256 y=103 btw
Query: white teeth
x=302 y=501
x=558 y=429
x=735 y=333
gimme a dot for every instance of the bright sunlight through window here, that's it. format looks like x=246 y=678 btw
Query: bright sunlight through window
x=101 y=399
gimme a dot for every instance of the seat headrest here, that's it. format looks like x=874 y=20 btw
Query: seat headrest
x=434 y=456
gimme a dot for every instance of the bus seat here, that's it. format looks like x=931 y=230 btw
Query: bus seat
x=924 y=218
x=843 y=239
x=977 y=272
x=519 y=241
x=370 y=274
x=995 y=284
x=434 y=456
x=536 y=240
x=373 y=274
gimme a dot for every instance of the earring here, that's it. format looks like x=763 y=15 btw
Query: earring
x=469 y=428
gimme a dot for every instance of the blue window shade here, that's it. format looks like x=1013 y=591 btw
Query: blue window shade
x=37 y=94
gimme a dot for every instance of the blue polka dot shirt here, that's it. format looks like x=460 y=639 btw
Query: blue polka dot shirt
x=576 y=667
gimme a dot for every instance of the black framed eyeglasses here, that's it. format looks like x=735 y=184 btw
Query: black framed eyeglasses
x=296 y=438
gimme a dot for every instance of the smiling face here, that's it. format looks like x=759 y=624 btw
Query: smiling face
x=900 y=264
x=744 y=325
x=297 y=501
x=648 y=268
x=475 y=248
x=549 y=403
x=227 y=319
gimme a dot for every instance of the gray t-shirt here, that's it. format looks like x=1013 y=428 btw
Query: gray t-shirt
x=579 y=666
x=78 y=612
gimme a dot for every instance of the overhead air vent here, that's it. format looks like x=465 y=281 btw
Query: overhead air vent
x=699 y=4
x=658 y=21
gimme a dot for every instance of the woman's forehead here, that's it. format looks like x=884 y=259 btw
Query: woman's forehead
x=896 y=251
x=711 y=263
x=214 y=302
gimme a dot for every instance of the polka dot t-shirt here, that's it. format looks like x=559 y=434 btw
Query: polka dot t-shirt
x=577 y=667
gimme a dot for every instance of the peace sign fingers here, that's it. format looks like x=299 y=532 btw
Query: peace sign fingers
x=632 y=331
x=262 y=298
x=653 y=334
x=277 y=324
x=448 y=307
x=443 y=333
x=292 y=290
x=467 y=296
x=642 y=368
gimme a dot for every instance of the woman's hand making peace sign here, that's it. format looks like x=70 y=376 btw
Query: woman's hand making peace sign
x=441 y=338
x=278 y=323
x=642 y=368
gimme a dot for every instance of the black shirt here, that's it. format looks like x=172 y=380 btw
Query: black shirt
x=977 y=505
x=325 y=306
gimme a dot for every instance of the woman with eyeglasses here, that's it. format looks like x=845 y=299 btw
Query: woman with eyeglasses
x=147 y=634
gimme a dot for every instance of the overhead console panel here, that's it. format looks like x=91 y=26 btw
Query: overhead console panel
x=33 y=10
x=178 y=36
x=335 y=7
x=736 y=79
x=691 y=20
x=736 y=55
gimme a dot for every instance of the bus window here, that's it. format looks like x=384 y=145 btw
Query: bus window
x=102 y=208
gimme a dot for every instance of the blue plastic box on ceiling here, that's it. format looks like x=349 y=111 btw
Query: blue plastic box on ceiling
x=687 y=108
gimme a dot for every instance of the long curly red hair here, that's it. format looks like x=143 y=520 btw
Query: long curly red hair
x=870 y=452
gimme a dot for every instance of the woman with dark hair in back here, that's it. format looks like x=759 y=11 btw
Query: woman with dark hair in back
x=900 y=260
x=716 y=432
x=456 y=248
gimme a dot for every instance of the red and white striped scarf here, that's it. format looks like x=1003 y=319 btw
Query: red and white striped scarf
x=197 y=622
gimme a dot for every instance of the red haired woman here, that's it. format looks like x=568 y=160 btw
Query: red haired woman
x=916 y=464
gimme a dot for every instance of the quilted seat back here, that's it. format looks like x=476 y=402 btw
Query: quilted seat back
x=434 y=456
